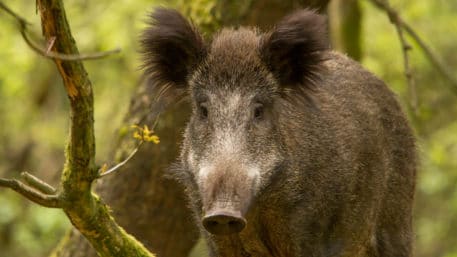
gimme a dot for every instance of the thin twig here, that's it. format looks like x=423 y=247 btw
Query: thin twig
x=406 y=47
x=46 y=52
x=65 y=57
x=119 y=165
x=38 y=183
x=408 y=72
x=143 y=138
x=50 y=44
x=51 y=201
x=434 y=59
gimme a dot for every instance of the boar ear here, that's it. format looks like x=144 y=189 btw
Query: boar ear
x=293 y=50
x=171 y=48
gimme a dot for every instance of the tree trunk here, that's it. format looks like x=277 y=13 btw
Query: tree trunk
x=345 y=27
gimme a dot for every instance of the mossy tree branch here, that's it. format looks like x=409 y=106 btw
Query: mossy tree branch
x=85 y=210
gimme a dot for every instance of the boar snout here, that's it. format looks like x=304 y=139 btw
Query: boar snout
x=224 y=222
x=226 y=190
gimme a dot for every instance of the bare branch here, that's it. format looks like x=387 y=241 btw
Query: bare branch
x=46 y=52
x=119 y=165
x=406 y=47
x=408 y=72
x=38 y=183
x=50 y=44
x=51 y=201
x=434 y=59
x=65 y=57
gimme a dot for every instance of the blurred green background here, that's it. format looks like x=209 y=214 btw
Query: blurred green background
x=34 y=109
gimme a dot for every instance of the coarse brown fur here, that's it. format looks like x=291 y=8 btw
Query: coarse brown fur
x=313 y=150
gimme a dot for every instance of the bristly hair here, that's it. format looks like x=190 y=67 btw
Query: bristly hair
x=294 y=49
x=171 y=47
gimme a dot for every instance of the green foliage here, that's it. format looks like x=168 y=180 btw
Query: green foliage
x=27 y=229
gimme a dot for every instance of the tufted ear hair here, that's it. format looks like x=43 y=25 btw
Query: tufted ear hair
x=171 y=48
x=293 y=50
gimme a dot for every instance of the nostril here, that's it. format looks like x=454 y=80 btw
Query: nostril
x=210 y=224
x=223 y=224
x=237 y=225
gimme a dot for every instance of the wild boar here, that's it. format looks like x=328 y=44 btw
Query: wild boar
x=292 y=149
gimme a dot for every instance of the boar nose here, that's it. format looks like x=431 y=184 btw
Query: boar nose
x=224 y=222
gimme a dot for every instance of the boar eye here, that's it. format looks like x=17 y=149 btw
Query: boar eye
x=203 y=110
x=258 y=111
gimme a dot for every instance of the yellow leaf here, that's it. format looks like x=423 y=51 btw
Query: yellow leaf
x=146 y=130
x=103 y=168
x=155 y=139
x=137 y=135
x=145 y=134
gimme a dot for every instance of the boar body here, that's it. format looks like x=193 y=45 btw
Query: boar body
x=292 y=149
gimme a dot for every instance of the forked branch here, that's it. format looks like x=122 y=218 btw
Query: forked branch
x=401 y=26
x=32 y=193
x=38 y=183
